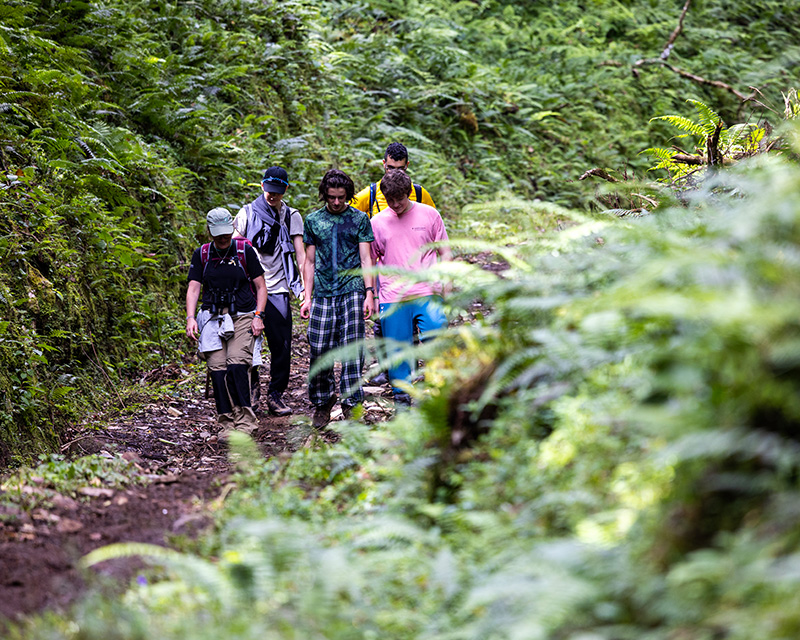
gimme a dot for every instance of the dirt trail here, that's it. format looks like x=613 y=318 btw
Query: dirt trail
x=184 y=464
x=176 y=445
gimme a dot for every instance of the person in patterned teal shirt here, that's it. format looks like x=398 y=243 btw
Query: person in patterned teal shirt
x=339 y=294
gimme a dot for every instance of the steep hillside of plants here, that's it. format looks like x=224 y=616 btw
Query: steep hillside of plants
x=123 y=122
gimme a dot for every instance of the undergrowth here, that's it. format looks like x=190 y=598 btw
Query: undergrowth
x=611 y=453
x=124 y=122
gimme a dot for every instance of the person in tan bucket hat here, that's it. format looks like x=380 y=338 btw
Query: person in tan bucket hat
x=229 y=275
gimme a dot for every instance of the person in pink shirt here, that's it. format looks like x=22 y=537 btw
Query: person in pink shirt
x=403 y=234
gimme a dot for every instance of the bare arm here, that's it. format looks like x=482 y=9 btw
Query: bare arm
x=365 y=253
x=192 y=294
x=300 y=255
x=308 y=280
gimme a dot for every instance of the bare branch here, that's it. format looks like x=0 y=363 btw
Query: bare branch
x=671 y=42
x=685 y=158
x=600 y=173
x=692 y=76
x=662 y=60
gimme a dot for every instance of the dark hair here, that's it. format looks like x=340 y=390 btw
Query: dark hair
x=336 y=179
x=395 y=184
x=396 y=151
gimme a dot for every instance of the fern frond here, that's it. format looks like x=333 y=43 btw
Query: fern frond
x=709 y=119
x=684 y=124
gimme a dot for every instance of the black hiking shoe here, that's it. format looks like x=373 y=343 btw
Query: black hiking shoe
x=402 y=402
x=379 y=380
x=322 y=413
x=276 y=405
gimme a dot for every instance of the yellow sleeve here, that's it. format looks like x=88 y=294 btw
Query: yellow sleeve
x=361 y=200
x=426 y=198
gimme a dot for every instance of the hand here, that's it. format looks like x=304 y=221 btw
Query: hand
x=369 y=305
x=191 y=328
x=257 y=326
x=305 y=309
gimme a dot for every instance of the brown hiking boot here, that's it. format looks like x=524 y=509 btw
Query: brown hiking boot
x=276 y=405
x=322 y=413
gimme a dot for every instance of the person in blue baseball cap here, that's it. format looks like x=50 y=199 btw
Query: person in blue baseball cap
x=276 y=232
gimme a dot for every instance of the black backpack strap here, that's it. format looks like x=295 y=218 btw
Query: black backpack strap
x=205 y=253
x=418 y=192
x=373 y=198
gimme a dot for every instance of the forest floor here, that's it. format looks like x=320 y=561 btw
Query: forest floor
x=182 y=466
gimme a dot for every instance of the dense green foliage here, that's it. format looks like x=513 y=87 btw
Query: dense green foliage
x=122 y=122
x=610 y=453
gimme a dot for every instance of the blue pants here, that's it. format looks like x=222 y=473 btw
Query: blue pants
x=398 y=320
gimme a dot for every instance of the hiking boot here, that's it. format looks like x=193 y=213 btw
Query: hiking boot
x=379 y=380
x=245 y=420
x=276 y=405
x=402 y=401
x=225 y=421
x=322 y=413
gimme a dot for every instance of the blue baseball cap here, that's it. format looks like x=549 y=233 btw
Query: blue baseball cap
x=275 y=180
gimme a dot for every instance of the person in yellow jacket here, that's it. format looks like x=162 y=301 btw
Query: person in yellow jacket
x=371 y=199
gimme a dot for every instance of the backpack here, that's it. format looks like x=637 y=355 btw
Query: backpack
x=373 y=196
x=241 y=243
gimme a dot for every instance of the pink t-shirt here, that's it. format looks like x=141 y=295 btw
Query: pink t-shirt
x=398 y=243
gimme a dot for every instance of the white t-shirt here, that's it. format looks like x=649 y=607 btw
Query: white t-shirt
x=273 y=264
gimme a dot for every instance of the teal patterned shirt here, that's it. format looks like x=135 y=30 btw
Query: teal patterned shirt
x=336 y=238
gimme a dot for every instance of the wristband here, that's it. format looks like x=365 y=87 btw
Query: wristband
x=258 y=315
x=370 y=289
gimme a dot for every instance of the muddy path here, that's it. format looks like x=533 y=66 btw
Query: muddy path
x=183 y=467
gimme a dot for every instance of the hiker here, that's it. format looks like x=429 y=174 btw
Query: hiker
x=276 y=231
x=339 y=295
x=234 y=295
x=372 y=201
x=402 y=230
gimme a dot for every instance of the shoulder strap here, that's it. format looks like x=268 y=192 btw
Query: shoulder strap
x=418 y=192
x=373 y=198
x=241 y=243
x=205 y=252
